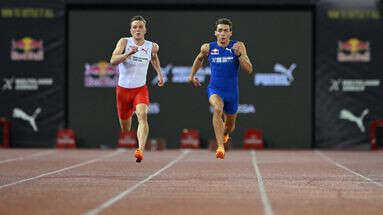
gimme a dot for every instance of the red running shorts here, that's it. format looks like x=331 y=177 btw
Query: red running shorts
x=128 y=98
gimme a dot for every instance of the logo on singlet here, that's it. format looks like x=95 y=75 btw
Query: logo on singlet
x=144 y=50
x=139 y=59
x=214 y=52
x=227 y=49
x=222 y=59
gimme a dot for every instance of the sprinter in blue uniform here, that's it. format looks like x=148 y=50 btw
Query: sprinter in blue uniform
x=225 y=57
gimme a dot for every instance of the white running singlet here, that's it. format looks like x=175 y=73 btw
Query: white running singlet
x=134 y=69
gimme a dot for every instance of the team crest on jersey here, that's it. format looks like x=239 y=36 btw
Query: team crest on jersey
x=214 y=51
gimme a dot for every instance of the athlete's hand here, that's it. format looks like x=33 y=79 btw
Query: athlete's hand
x=160 y=81
x=132 y=50
x=194 y=81
x=237 y=47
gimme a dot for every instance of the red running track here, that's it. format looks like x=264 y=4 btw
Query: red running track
x=190 y=182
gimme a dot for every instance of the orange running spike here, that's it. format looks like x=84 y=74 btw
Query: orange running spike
x=139 y=155
x=220 y=153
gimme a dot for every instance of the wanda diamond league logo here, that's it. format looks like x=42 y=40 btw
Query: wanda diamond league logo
x=27 y=49
x=354 y=50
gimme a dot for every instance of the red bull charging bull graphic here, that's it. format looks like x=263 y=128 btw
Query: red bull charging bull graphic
x=353 y=50
x=27 y=49
x=101 y=74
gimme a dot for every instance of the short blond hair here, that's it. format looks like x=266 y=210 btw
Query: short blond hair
x=137 y=18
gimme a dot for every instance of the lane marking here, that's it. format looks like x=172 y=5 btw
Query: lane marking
x=123 y=194
x=347 y=169
x=37 y=154
x=265 y=200
x=61 y=170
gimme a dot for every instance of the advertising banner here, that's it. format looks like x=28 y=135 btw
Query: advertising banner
x=276 y=98
x=348 y=72
x=32 y=71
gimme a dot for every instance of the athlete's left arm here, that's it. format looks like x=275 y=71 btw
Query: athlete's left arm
x=156 y=63
x=244 y=61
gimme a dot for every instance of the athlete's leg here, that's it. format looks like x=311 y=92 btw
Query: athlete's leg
x=217 y=104
x=141 y=104
x=229 y=122
x=125 y=124
x=230 y=114
x=143 y=127
x=229 y=127
x=124 y=109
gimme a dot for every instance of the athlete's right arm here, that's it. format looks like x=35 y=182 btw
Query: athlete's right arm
x=197 y=64
x=118 y=56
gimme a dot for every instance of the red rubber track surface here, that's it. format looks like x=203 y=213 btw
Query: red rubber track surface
x=191 y=182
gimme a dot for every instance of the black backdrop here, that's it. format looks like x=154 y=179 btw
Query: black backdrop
x=32 y=54
x=272 y=37
x=348 y=80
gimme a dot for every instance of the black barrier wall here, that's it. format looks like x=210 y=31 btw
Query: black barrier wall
x=348 y=75
x=32 y=71
x=277 y=99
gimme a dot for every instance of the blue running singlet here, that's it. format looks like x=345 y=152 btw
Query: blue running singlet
x=224 y=66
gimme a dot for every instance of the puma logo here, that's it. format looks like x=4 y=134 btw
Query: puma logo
x=346 y=114
x=18 y=113
x=144 y=50
x=282 y=76
x=287 y=72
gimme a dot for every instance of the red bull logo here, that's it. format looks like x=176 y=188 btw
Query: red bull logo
x=27 y=49
x=101 y=74
x=353 y=50
x=214 y=51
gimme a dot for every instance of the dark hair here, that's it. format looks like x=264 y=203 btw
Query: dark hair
x=224 y=21
x=137 y=18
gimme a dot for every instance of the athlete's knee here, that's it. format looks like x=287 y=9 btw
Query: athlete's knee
x=125 y=125
x=231 y=127
x=218 y=109
x=141 y=115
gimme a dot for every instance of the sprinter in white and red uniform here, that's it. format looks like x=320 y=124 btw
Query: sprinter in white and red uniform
x=132 y=55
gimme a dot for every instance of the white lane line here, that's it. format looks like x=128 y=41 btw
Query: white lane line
x=27 y=156
x=123 y=194
x=265 y=201
x=61 y=170
x=347 y=169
